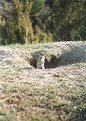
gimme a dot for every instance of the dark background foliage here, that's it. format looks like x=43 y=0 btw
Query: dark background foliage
x=27 y=21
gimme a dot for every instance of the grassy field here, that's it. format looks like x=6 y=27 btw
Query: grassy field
x=57 y=93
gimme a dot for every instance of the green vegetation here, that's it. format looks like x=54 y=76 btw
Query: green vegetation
x=28 y=21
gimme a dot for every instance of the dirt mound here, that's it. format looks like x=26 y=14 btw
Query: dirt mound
x=56 y=54
x=59 y=54
x=57 y=93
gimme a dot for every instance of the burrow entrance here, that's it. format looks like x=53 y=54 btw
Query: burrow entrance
x=67 y=57
x=51 y=61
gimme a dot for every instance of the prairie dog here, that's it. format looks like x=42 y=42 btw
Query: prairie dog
x=41 y=61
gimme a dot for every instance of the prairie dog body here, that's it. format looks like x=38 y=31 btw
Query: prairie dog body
x=40 y=62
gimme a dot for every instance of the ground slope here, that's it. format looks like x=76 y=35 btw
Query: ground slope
x=57 y=93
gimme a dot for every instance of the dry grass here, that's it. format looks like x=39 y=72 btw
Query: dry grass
x=55 y=94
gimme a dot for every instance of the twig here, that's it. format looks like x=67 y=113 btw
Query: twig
x=3 y=100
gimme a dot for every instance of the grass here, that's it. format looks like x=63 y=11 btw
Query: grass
x=24 y=46
x=60 y=98
x=29 y=105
